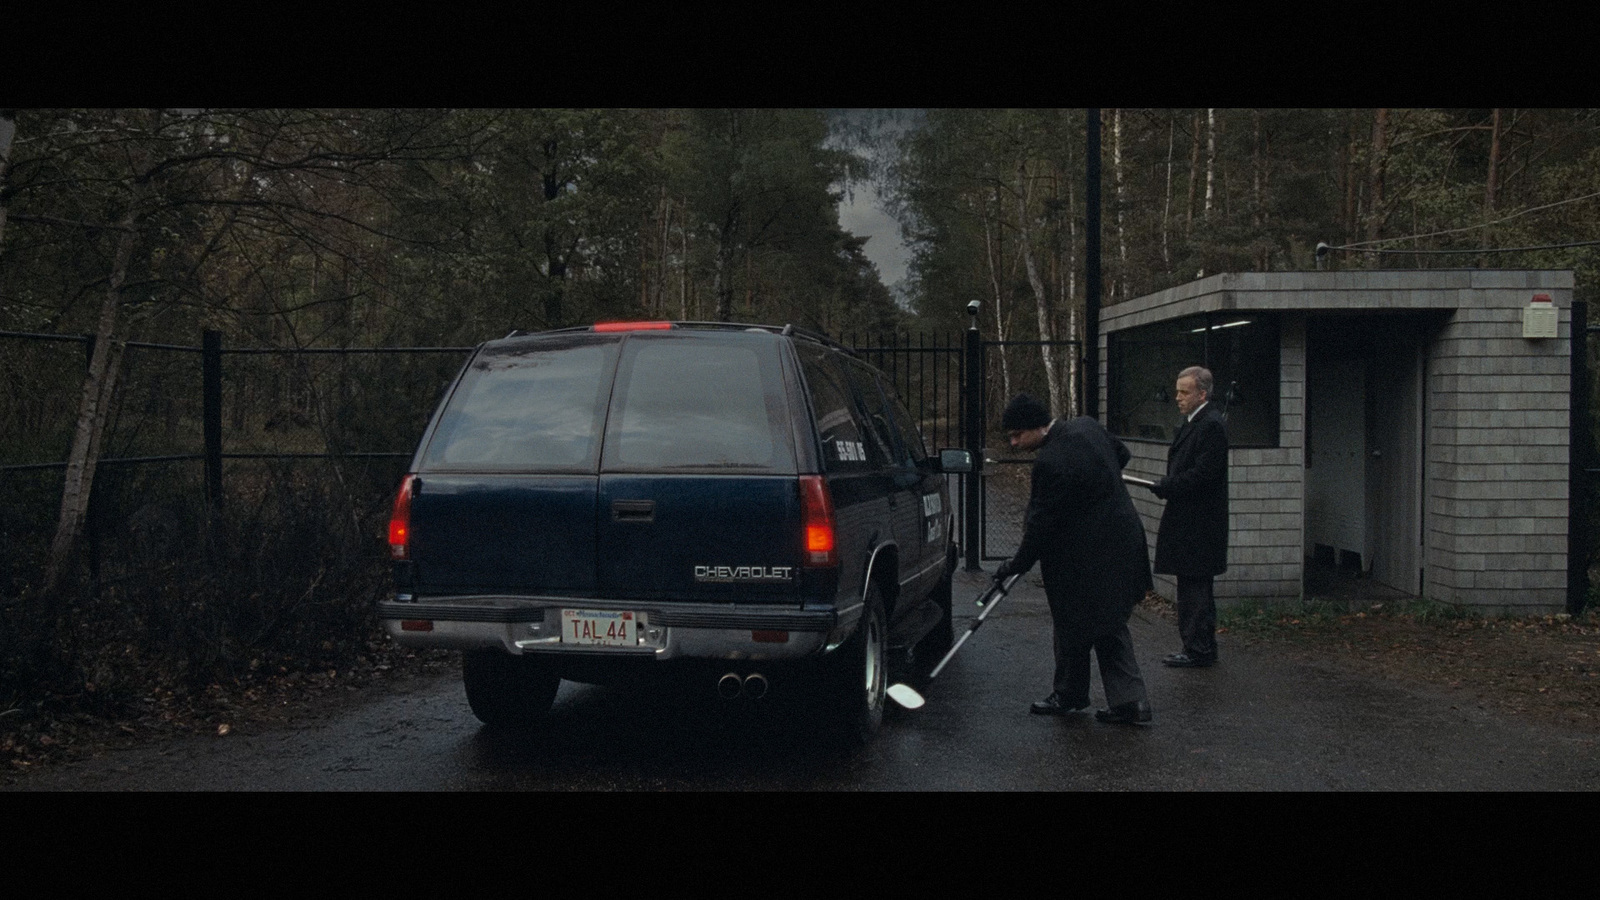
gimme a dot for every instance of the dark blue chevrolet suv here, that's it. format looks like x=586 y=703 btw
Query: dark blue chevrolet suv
x=748 y=504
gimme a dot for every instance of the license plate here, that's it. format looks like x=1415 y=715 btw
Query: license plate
x=599 y=627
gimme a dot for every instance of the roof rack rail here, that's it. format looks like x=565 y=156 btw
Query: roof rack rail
x=569 y=329
x=787 y=330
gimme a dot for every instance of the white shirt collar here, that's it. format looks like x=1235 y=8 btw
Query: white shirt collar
x=1197 y=411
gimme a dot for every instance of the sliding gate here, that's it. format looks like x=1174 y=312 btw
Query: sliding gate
x=1010 y=368
x=955 y=387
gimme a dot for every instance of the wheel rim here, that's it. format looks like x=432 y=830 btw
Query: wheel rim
x=875 y=678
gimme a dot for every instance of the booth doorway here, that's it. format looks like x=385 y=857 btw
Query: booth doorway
x=1364 y=455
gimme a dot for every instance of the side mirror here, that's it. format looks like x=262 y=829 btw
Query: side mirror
x=955 y=462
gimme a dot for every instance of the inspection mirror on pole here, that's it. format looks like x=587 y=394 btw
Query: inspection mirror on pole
x=907 y=696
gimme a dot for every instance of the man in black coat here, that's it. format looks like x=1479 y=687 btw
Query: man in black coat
x=1083 y=530
x=1193 y=540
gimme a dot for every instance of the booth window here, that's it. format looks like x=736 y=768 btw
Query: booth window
x=1240 y=349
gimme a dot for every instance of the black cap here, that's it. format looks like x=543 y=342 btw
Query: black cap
x=1025 y=411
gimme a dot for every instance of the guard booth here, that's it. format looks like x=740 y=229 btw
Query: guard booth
x=1403 y=430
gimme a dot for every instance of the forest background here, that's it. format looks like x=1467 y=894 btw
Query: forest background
x=295 y=229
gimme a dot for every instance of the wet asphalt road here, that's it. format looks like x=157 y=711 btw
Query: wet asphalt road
x=1255 y=722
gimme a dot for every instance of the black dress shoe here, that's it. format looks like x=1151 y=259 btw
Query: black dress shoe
x=1053 y=705
x=1125 y=713
x=1185 y=661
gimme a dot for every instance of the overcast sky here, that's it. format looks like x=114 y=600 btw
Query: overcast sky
x=861 y=213
x=861 y=216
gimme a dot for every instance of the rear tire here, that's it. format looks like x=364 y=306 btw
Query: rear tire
x=505 y=691
x=859 y=676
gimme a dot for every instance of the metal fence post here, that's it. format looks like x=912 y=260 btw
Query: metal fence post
x=1579 y=440
x=211 y=408
x=970 y=504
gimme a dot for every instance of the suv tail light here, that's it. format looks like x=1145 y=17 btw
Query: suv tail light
x=400 y=520
x=816 y=522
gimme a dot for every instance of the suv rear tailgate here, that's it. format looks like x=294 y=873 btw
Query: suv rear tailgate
x=699 y=498
x=700 y=538
x=492 y=533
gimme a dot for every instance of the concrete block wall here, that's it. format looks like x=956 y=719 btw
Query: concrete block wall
x=1495 y=529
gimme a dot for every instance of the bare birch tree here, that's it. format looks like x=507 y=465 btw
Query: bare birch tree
x=1211 y=160
x=1194 y=175
x=1491 y=180
x=1258 y=178
x=1117 y=183
x=992 y=257
x=1378 y=165
x=105 y=364
x=1166 y=196
x=1067 y=288
x=1041 y=296
x=1072 y=299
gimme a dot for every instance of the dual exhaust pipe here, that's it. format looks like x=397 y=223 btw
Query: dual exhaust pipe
x=734 y=685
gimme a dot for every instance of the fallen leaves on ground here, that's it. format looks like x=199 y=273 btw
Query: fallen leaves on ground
x=272 y=694
x=1544 y=668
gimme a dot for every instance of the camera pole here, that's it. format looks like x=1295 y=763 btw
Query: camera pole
x=971 y=503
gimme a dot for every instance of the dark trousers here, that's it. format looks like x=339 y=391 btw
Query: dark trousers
x=1197 y=616
x=1119 y=671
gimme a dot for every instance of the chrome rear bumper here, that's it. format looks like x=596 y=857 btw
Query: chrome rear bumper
x=666 y=630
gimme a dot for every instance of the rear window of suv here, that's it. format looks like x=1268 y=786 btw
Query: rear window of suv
x=687 y=402
x=528 y=405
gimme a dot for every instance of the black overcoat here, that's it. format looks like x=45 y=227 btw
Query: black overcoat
x=1193 y=539
x=1082 y=529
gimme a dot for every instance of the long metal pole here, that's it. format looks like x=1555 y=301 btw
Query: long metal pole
x=971 y=503
x=998 y=592
x=908 y=696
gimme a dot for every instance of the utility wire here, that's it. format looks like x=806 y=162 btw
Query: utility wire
x=1514 y=215
x=1324 y=248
